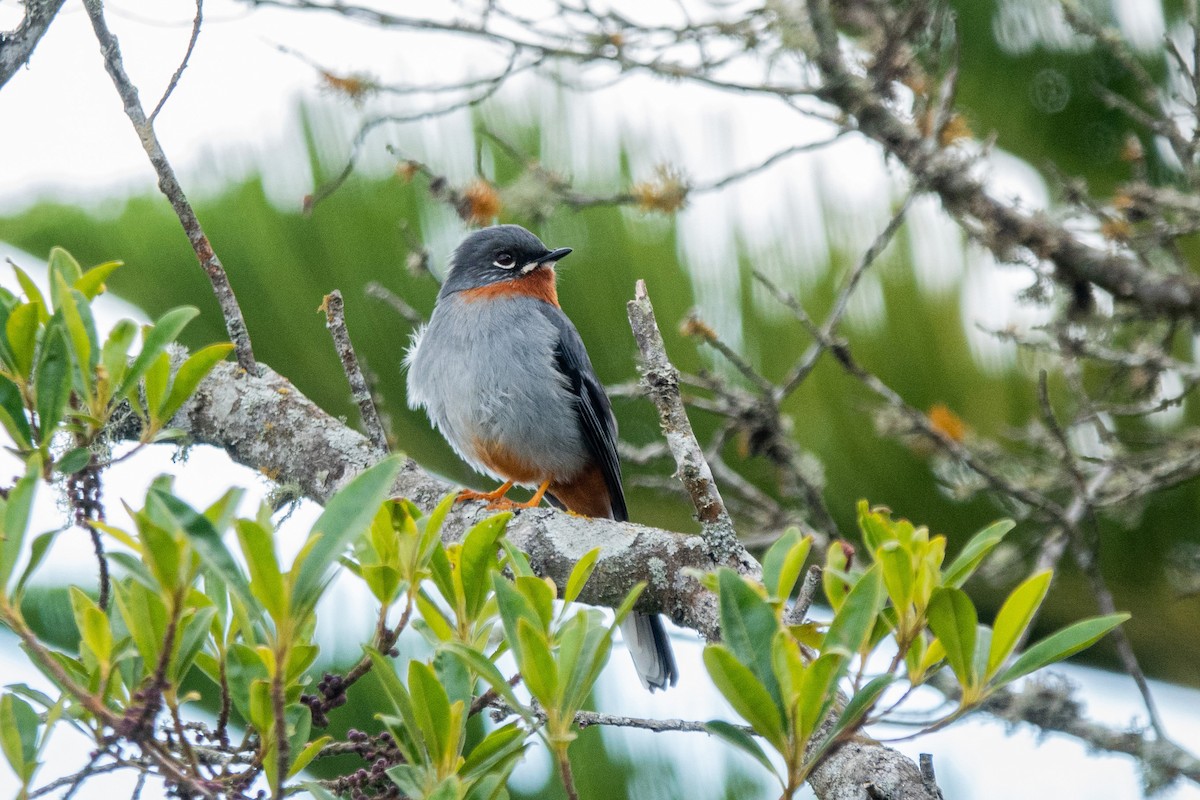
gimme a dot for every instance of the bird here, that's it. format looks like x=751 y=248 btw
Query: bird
x=504 y=376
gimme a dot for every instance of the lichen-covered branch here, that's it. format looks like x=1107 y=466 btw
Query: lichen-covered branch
x=17 y=45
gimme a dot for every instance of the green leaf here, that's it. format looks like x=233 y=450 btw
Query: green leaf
x=876 y=526
x=157 y=376
x=478 y=663
x=504 y=743
x=513 y=606
x=783 y=562
x=748 y=624
x=953 y=619
x=114 y=356
x=94 y=630
x=852 y=715
x=479 y=559
x=896 y=565
x=206 y=541
x=746 y=694
x=154 y=341
x=21 y=330
x=73 y=461
x=347 y=515
x=33 y=294
x=1014 y=619
x=1060 y=645
x=81 y=336
x=431 y=705
x=19 y=735
x=266 y=580
x=305 y=756
x=91 y=283
x=60 y=262
x=742 y=741
x=145 y=617
x=982 y=543
x=37 y=552
x=855 y=620
x=52 y=382
x=189 y=375
x=817 y=692
x=318 y=791
x=536 y=664
x=12 y=414
x=16 y=511
x=540 y=594
x=580 y=574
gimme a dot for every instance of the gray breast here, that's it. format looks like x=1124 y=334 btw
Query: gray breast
x=485 y=371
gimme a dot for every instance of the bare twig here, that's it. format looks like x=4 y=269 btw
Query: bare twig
x=196 y=23
x=380 y=292
x=335 y=320
x=235 y=324
x=662 y=382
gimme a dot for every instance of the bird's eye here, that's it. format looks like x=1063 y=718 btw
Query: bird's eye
x=505 y=261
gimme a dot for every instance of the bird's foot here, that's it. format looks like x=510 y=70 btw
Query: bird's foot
x=494 y=498
x=497 y=501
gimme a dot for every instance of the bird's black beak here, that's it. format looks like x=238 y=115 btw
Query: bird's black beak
x=555 y=255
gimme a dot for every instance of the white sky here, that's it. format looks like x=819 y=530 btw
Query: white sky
x=62 y=134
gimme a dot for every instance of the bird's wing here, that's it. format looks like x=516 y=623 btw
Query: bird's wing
x=596 y=420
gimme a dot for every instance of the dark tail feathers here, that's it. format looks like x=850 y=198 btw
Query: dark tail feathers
x=647 y=642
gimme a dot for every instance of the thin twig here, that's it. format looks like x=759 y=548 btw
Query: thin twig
x=235 y=324
x=182 y=64
x=378 y=291
x=335 y=320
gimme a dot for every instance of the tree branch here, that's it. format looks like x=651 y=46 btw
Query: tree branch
x=235 y=324
x=17 y=45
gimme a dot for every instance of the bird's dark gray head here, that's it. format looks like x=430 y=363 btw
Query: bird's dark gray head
x=492 y=255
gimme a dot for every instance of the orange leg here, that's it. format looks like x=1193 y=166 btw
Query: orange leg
x=493 y=497
x=497 y=499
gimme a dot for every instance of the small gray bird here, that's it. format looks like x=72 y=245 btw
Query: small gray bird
x=504 y=376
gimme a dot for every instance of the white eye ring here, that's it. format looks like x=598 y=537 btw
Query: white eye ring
x=505 y=261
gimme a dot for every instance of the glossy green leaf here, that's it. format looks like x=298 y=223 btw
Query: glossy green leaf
x=748 y=624
x=154 y=341
x=114 y=355
x=158 y=374
x=145 y=618
x=62 y=264
x=73 y=461
x=896 y=566
x=743 y=741
x=303 y=758
x=817 y=692
x=91 y=283
x=513 y=606
x=478 y=663
x=37 y=553
x=875 y=526
x=266 y=580
x=580 y=574
x=19 y=735
x=16 y=511
x=81 y=336
x=746 y=694
x=1014 y=619
x=853 y=714
x=12 y=414
x=853 y=623
x=431 y=705
x=953 y=619
x=982 y=543
x=478 y=560
x=33 y=294
x=207 y=542
x=503 y=743
x=94 y=631
x=347 y=515
x=52 y=381
x=536 y=663
x=1060 y=645
x=783 y=562
x=21 y=330
x=189 y=375
x=540 y=594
